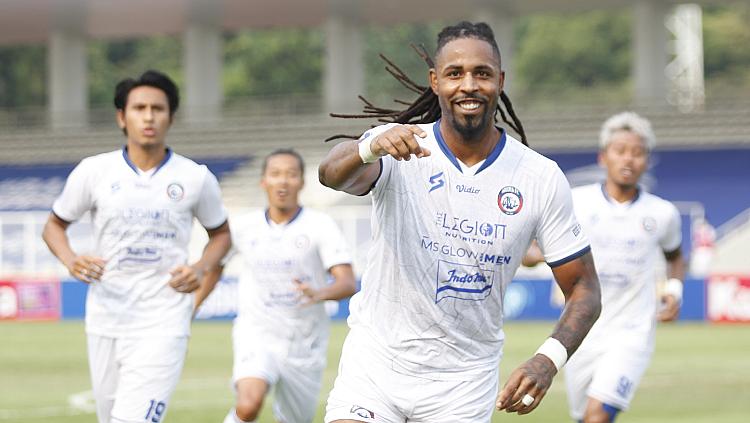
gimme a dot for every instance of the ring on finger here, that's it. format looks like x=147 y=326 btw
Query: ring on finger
x=84 y=272
x=527 y=400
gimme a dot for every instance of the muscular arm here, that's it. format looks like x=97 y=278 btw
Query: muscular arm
x=343 y=170
x=580 y=285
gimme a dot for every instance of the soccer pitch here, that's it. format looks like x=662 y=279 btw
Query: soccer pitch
x=700 y=373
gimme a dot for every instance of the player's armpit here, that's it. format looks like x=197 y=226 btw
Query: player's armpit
x=580 y=285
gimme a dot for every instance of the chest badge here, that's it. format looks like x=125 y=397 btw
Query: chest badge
x=175 y=192
x=510 y=200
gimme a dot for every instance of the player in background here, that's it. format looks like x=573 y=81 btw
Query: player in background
x=629 y=229
x=142 y=199
x=281 y=331
x=456 y=203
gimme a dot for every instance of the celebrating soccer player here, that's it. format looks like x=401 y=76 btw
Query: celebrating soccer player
x=456 y=203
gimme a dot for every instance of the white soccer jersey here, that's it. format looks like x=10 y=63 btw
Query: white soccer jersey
x=626 y=242
x=446 y=243
x=142 y=223
x=273 y=257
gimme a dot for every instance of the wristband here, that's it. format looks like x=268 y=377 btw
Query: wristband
x=365 y=153
x=555 y=351
x=674 y=288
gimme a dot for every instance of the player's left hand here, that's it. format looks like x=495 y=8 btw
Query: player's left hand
x=533 y=378
x=308 y=294
x=185 y=279
x=669 y=309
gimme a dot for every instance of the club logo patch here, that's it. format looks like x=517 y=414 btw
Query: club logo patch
x=510 y=200
x=362 y=412
x=436 y=181
x=175 y=191
x=649 y=224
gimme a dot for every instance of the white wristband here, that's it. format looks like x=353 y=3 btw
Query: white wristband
x=555 y=351
x=674 y=288
x=365 y=153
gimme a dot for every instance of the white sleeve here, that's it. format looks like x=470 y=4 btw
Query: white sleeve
x=210 y=209
x=76 y=198
x=559 y=234
x=672 y=237
x=332 y=247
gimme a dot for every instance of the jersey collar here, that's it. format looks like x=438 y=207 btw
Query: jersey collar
x=613 y=201
x=494 y=154
x=135 y=168
x=272 y=223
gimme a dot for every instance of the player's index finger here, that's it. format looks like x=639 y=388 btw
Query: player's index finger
x=417 y=130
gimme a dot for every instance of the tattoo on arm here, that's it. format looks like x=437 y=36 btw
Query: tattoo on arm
x=582 y=303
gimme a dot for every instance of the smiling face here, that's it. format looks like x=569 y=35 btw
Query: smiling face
x=467 y=80
x=145 y=118
x=282 y=181
x=625 y=159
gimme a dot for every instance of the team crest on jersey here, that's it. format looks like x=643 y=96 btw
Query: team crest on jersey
x=510 y=200
x=175 y=191
x=302 y=242
x=648 y=223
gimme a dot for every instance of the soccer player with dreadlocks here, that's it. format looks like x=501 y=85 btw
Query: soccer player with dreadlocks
x=456 y=203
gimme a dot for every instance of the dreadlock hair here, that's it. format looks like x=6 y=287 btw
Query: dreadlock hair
x=426 y=107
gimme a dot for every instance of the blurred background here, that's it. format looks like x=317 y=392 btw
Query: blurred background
x=256 y=75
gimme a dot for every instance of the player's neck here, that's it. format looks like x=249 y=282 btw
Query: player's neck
x=279 y=215
x=146 y=158
x=621 y=193
x=469 y=151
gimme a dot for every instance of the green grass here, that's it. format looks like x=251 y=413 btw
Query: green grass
x=700 y=373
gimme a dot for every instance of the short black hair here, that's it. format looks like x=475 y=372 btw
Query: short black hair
x=281 y=152
x=150 y=78
x=465 y=29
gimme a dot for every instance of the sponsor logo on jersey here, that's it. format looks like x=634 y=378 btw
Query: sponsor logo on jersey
x=624 y=385
x=436 y=181
x=114 y=187
x=460 y=252
x=576 y=229
x=510 y=200
x=470 y=230
x=468 y=189
x=145 y=216
x=175 y=191
x=134 y=257
x=362 y=412
x=462 y=281
x=648 y=223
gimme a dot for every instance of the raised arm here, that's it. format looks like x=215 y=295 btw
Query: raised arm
x=580 y=285
x=353 y=166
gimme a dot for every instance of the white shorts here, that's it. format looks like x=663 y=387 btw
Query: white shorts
x=610 y=375
x=368 y=390
x=295 y=382
x=133 y=378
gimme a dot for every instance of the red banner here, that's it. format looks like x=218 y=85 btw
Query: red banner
x=29 y=300
x=728 y=298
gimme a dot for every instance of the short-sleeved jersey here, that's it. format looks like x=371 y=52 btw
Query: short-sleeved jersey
x=446 y=243
x=142 y=223
x=627 y=239
x=273 y=257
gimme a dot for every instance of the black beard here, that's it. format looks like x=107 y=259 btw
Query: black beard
x=473 y=127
